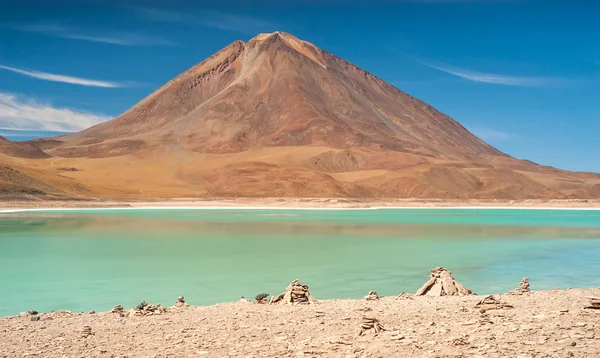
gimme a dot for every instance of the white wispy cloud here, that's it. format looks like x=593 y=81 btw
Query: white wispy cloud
x=25 y=114
x=211 y=18
x=122 y=39
x=113 y=38
x=63 y=78
x=520 y=81
x=235 y=22
x=160 y=15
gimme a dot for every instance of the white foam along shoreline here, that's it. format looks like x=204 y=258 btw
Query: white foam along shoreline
x=217 y=208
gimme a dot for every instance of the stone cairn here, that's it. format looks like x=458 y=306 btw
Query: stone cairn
x=86 y=331
x=117 y=309
x=460 y=341
x=181 y=302
x=296 y=292
x=522 y=289
x=143 y=309
x=262 y=298
x=441 y=283
x=405 y=296
x=492 y=303
x=370 y=323
x=372 y=296
x=594 y=303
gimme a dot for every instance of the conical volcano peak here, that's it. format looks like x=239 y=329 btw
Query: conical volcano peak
x=278 y=38
x=266 y=35
x=278 y=90
x=287 y=38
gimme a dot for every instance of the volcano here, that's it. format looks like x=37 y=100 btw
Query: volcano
x=277 y=116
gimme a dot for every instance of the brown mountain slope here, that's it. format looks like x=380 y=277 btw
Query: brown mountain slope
x=276 y=90
x=21 y=149
x=277 y=116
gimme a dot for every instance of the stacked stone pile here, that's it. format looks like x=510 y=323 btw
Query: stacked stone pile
x=492 y=303
x=296 y=292
x=86 y=331
x=523 y=288
x=370 y=323
x=441 y=283
x=372 y=296
x=594 y=303
x=181 y=302
x=143 y=309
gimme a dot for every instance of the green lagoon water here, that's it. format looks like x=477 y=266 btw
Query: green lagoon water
x=95 y=259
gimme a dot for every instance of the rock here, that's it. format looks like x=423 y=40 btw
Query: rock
x=522 y=289
x=340 y=341
x=181 y=302
x=372 y=296
x=92 y=312
x=117 y=309
x=245 y=300
x=262 y=298
x=491 y=303
x=441 y=283
x=86 y=331
x=32 y=312
x=594 y=303
x=296 y=292
x=370 y=323
x=142 y=305
x=405 y=296
x=35 y=318
x=60 y=313
x=461 y=341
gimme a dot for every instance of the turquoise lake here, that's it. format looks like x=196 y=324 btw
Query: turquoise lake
x=95 y=259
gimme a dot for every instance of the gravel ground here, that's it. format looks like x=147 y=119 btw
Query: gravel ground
x=542 y=324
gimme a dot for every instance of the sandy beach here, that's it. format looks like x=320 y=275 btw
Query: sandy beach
x=298 y=203
x=541 y=324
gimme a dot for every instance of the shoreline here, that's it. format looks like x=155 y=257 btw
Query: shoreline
x=297 y=204
x=543 y=323
x=403 y=295
x=13 y=211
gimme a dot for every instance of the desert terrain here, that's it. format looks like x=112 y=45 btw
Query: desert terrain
x=277 y=116
x=541 y=324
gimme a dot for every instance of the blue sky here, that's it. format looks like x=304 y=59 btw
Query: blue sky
x=524 y=75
